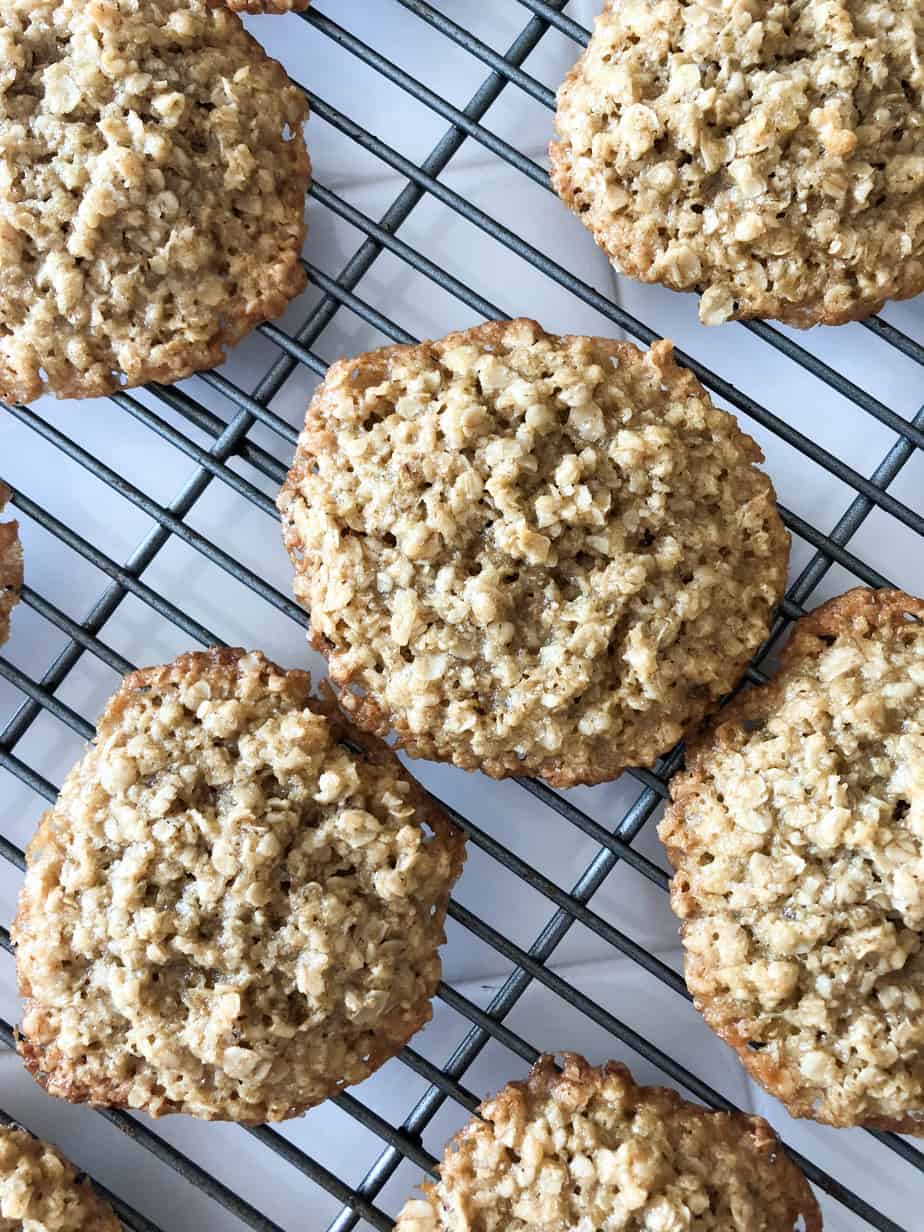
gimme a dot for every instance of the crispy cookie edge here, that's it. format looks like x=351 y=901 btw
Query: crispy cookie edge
x=576 y=1072
x=50 y=1067
x=882 y=607
x=103 y=1216
x=284 y=279
x=365 y=711
x=11 y=567
x=616 y=241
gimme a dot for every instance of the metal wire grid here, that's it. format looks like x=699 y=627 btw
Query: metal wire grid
x=229 y=441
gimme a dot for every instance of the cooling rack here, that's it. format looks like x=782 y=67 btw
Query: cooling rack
x=559 y=933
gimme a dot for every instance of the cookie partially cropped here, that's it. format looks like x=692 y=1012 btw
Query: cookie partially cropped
x=797 y=836
x=10 y=567
x=229 y=911
x=40 y=1190
x=588 y=1148
x=770 y=156
x=268 y=6
x=153 y=175
x=530 y=554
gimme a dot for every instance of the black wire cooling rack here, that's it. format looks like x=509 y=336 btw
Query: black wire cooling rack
x=229 y=440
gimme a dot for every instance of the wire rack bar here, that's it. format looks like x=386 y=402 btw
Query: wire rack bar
x=130 y=1217
x=228 y=441
x=581 y=35
x=533 y=171
x=168 y=1155
x=717 y=384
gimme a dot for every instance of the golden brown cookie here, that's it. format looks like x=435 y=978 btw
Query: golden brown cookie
x=153 y=175
x=40 y=1190
x=770 y=155
x=797 y=836
x=10 y=567
x=530 y=554
x=229 y=911
x=268 y=6
x=587 y=1148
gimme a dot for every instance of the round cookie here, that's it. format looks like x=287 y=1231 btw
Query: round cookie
x=528 y=554
x=770 y=156
x=229 y=911
x=40 y=1192
x=153 y=175
x=587 y=1148
x=797 y=836
x=10 y=567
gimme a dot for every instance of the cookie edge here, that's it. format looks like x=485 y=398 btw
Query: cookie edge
x=55 y=1077
x=365 y=711
x=885 y=606
x=798 y=316
x=186 y=360
x=545 y=1076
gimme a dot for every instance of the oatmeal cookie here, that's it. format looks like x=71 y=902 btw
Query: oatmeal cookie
x=797 y=836
x=40 y=1191
x=770 y=155
x=153 y=174
x=587 y=1148
x=229 y=911
x=10 y=567
x=530 y=554
x=268 y=6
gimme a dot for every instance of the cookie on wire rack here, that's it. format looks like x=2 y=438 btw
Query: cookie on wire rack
x=797 y=839
x=153 y=174
x=40 y=1191
x=770 y=156
x=268 y=6
x=229 y=912
x=10 y=567
x=530 y=554
x=588 y=1148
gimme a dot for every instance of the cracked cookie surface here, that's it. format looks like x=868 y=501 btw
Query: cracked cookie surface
x=588 y=1148
x=769 y=155
x=153 y=174
x=229 y=912
x=40 y=1190
x=527 y=553
x=797 y=839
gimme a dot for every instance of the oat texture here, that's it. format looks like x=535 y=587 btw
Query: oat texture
x=797 y=836
x=527 y=553
x=153 y=174
x=228 y=912
x=769 y=154
x=40 y=1192
x=10 y=567
x=587 y=1148
x=267 y=6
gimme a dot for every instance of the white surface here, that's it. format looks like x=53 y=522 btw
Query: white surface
x=236 y=615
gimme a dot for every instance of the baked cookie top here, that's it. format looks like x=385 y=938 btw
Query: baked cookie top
x=267 y=6
x=10 y=566
x=228 y=912
x=40 y=1192
x=797 y=836
x=588 y=1148
x=530 y=554
x=768 y=155
x=153 y=174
